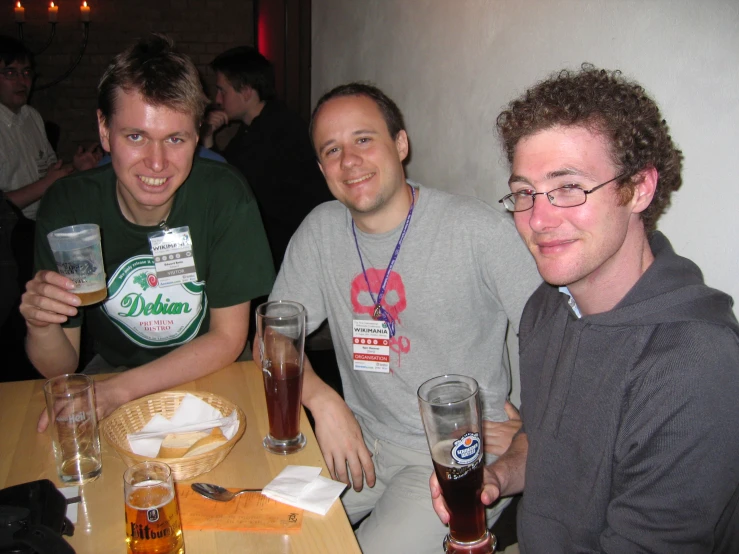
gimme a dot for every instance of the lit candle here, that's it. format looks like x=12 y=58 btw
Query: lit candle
x=20 y=13
x=85 y=12
x=53 y=12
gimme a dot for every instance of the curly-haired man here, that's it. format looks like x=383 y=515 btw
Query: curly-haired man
x=628 y=361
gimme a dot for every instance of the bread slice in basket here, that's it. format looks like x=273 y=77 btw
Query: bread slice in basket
x=133 y=416
x=206 y=444
x=184 y=445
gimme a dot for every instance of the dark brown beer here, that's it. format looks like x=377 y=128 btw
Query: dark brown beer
x=152 y=521
x=486 y=545
x=461 y=486
x=283 y=388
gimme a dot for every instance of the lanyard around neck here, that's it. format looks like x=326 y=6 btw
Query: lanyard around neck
x=380 y=312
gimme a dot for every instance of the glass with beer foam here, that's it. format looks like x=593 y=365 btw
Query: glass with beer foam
x=452 y=418
x=70 y=405
x=281 y=335
x=153 y=523
x=79 y=257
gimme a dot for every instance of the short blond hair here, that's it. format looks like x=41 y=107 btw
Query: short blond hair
x=163 y=76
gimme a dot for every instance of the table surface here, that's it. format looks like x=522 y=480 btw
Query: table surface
x=26 y=455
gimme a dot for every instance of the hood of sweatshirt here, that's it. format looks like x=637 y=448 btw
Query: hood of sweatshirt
x=670 y=290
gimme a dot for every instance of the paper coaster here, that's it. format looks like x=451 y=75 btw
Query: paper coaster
x=250 y=511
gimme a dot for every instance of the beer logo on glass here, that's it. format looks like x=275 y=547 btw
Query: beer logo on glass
x=466 y=450
x=152 y=515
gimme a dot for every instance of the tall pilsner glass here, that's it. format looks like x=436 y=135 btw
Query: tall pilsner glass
x=452 y=418
x=281 y=332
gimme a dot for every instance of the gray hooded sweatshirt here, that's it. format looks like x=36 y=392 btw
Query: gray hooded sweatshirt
x=632 y=418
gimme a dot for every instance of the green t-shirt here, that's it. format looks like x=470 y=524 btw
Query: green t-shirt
x=141 y=320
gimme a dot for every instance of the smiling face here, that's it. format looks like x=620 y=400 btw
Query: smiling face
x=587 y=246
x=152 y=149
x=14 y=92
x=362 y=163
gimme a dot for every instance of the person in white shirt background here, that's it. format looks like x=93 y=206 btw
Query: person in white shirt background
x=28 y=166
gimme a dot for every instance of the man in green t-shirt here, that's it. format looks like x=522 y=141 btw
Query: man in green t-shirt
x=168 y=327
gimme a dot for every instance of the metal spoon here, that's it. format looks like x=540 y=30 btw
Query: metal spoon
x=214 y=492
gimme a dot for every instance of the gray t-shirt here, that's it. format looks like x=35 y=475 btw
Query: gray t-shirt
x=461 y=276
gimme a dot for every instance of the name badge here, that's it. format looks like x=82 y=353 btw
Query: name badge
x=174 y=262
x=371 y=346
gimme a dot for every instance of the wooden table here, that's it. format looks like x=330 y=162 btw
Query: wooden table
x=26 y=455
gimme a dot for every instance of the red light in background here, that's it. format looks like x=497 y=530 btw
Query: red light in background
x=263 y=35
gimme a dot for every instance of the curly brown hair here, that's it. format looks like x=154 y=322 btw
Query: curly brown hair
x=607 y=103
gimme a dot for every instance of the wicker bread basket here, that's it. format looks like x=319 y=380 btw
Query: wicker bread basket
x=132 y=416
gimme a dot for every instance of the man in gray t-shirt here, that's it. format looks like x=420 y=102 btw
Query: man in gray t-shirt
x=415 y=283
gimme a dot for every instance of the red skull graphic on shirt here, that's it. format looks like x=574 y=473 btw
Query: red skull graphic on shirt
x=393 y=301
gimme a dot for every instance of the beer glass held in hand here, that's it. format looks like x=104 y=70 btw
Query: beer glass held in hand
x=452 y=418
x=79 y=257
x=153 y=523
x=70 y=405
x=281 y=335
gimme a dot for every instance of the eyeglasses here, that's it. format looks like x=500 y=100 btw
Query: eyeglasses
x=12 y=74
x=567 y=196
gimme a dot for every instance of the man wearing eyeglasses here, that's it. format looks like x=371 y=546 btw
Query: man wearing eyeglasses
x=629 y=363
x=28 y=164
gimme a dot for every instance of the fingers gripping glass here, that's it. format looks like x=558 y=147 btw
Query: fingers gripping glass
x=567 y=196
x=12 y=74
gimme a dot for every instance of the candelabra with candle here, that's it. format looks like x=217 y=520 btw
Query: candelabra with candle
x=20 y=19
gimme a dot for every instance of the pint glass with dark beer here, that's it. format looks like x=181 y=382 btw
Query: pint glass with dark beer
x=281 y=335
x=152 y=517
x=452 y=418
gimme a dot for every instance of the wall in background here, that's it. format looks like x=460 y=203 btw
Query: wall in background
x=201 y=28
x=452 y=65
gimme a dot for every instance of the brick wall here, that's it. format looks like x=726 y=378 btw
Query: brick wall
x=201 y=29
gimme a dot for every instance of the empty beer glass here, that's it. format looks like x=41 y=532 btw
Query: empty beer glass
x=452 y=418
x=153 y=523
x=70 y=405
x=281 y=335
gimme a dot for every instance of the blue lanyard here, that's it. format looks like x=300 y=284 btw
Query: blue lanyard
x=380 y=312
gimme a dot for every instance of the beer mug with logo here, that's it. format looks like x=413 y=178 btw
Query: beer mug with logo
x=152 y=517
x=452 y=418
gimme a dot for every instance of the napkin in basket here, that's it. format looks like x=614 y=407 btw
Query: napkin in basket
x=193 y=414
x=303 y=487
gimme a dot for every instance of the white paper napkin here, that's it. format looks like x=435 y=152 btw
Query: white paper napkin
x=192 y=414
x=71 y=492
x=303 y=487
